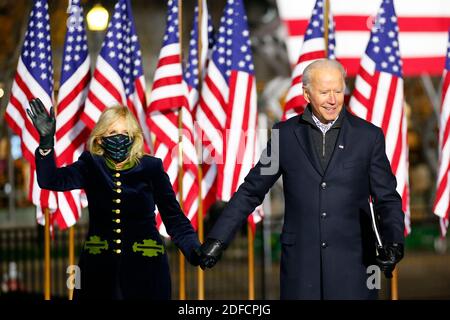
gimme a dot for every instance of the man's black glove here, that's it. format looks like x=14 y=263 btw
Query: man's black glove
x=44 y=123
x=388 y=257
x=210 y=252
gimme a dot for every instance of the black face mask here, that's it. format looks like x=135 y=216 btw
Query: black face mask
x=117 y=147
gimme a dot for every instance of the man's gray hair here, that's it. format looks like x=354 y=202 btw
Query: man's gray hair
x=322 y=63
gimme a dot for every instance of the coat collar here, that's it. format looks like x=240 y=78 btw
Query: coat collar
x=307 y=115
x=303 y=135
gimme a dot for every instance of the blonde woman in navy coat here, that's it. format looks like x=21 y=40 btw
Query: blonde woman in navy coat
x=123 y=256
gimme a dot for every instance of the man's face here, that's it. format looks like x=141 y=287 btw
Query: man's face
x=325 y=93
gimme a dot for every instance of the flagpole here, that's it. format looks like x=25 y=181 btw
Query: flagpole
x=47 y=255
x=326 y=10
x=182 y=267
x=72 y=228
x=182 y=293
x=251 y=263
x=200 y=231
x=394 y=285
x=71 y=253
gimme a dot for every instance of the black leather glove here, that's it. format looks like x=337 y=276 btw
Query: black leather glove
x=389 y=256
x=44 y=123
x=210 y=252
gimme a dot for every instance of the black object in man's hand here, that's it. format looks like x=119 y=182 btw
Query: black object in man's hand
x=388 y=257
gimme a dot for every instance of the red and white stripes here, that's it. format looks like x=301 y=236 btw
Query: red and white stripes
x=25 y=88
x=423 y=31
x=211 y=113
x=378 y=98
x=168 y=105
x=441 y=205
x=240 y=134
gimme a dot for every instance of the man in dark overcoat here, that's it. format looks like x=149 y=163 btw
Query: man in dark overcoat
x=331 y=163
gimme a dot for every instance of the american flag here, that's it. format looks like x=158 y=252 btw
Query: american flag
x=169 y=90
x=33 y=78
x=119 y=76
x=168 y=98
x=378 y=96
x=423 y=31
x=442 y=202
x=227 y=113
x=191 y=71
x=71 y=132
x=313 y=48
x=191 y=77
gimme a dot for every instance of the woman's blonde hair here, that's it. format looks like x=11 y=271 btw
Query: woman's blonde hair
x=108 y=117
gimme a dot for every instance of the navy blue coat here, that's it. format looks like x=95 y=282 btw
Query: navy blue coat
x=327 y=238
x=121 y=217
